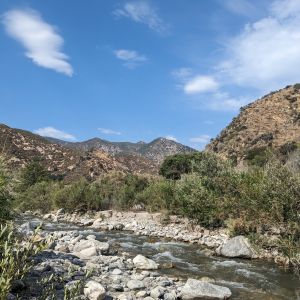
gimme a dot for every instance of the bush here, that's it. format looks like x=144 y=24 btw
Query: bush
x=33 y=173
x=40 y=196
x=203 y=163
x=159 y=196
x=5 y=193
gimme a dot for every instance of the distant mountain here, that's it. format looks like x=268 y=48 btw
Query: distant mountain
x=87 y=159
x=272 y=122
x=20 y=147
x=156 y=150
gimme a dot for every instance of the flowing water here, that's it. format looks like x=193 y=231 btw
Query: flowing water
x=247 y=279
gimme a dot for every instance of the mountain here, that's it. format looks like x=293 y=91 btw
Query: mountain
x=20 y=147
x=88 y=159
x=272 y=122
x=156 y=150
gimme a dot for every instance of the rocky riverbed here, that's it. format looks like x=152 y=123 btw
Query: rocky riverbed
x=125 y=264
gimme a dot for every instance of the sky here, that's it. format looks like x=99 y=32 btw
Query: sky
x=140 y=69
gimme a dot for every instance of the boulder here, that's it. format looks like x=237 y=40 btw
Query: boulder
x=144 y=263
x=135 y=284
x=93 y=290
x=196 y=289
x=93 y=245
x=237 y=247
x=97 y=223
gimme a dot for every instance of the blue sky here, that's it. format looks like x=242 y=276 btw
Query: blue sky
x=136 y=70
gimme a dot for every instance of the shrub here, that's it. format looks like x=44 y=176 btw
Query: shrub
x=159 y=196
x=203 y=163
x=5 y=194
x=33 y=173
x=40 y=196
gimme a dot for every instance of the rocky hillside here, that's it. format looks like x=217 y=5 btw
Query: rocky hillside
x=21 y=147
x=270 y=122
x=156 y=150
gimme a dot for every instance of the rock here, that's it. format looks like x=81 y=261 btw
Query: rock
x=94 y=290
x=157 y=292
x=207 y=279
x=170 y=296
x=60 y=212
x=97 y=223
x=125 y=297
x=196 y=289
x=119 y=226
x=141 y=294
x=17 y=286
x=87 y=222
x=116 y=272
x=135 y=284
x=237 y=247
x=101 y=248
x=144 y=263
x=91 y=237
x=88 y=252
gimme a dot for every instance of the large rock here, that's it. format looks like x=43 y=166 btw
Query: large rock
x=91 y=247
x=196 y=289
x=135 y=284
x=237 y=247
x=94 y=290
x=144 y=263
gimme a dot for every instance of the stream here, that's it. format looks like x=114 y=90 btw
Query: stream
x=247 y=279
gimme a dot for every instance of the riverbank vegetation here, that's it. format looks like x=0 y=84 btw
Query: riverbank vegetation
x=260 y=200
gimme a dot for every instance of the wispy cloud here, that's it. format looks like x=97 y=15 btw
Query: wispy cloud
x=109 y=131
x=201 y=139
x=130 y=58
x=171 y=138
x=240 y=7
x=55 y=133
x=142 y=12
x=40 y=39
x=182 y=73
x=266 y=54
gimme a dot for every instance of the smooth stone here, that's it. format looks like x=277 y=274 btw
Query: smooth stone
x=135 y=284
x=196 y=289
x=93 y=290
x=237 y=247
x=144 y=263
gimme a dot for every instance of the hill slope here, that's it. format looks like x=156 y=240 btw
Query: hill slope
x=270 y=122
x=21 y=147
x=156 y=150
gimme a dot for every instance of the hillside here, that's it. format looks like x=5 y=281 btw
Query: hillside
x=270 y=122
x=21 y=147
x=156 y=150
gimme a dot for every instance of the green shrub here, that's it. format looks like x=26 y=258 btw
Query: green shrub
x=33 y=173
x=203 y=163
x=159 y=196
x=6 y=197
x=40 y=196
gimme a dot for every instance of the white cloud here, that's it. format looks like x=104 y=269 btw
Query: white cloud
x=224 y=102
x=142 y=12
x=54 y=133
x=109 y=131
x=201 y=139
x=131 y=58
x=240 y=7
x=171 y=138
x=266 y=54
x=40 y=39
x=200 y=84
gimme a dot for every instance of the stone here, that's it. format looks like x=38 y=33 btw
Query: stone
x=101 y=247
x=157 y=292
x=116 y=272
x=93 y=290
x=141 y=294
x=237 y=247
x=170 y=295
x=135 y=284
x=97 y=223
x=88 y=252
x=196 y=289
x=144 y=263
x=60 y=212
